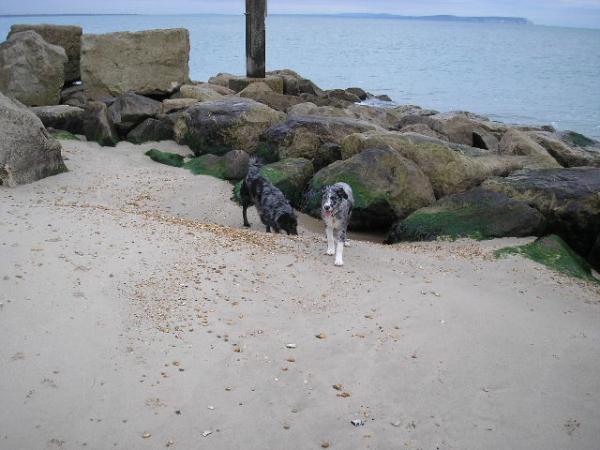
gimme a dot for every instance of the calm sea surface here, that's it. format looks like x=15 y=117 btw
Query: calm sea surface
x=518 y=74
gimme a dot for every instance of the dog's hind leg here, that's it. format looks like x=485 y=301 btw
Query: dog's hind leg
x=268 y=229
x=330 y=241
x=244 y=213
x=246 y=202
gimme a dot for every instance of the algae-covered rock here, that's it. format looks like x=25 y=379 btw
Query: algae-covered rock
x=554 y=253
x=231 y=166
x=451 y=168
x=476 y=214
x=594 y=255
x=169 y=159
x=291 y=176
x=386 y=186
x=568 y=198
x=223 y=125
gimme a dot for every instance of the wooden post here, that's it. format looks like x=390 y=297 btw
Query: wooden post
x=255 y=38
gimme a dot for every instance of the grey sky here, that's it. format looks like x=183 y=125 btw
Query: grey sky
x=584 y=13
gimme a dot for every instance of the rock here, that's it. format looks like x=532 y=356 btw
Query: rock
x=27 y=152
x=424 y=130
x=153 y=62
x=305 y=137
x=291 y=176
x=564 y=154
x=223 y=125
x=61 y=117
x=452 y=168
x=594 y=255
x=231 y=166
x=517 y=142
x=262 y=93
x=74 y=96
x=130 y=109
x=577 y=140
x=476 y=214
x=236 y=164
x=340 y=94
x=169 y=159
x=97 y=126
x=569 y=199
x=358 y=92
x=384 y=98
x=383 y=117
x=294 y=84
x=555 y=254
x=66 y=36
x=201 y=92
x=31 y=70
x=222 y=79
x=151 y=130
x=238 y=84
x=386 y=187
x=177 y=104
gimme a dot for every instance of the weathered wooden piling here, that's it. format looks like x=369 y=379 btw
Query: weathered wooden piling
x=255 y=38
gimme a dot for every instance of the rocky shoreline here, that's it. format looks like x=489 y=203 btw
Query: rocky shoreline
x=418 y=173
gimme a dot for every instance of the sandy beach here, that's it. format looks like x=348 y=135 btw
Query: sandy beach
x=137 y=313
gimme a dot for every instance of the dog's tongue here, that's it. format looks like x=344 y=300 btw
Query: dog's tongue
x=328 y=213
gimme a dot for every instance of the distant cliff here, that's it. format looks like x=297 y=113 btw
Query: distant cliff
x=446 y=18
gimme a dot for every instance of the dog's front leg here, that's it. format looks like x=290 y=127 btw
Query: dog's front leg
x=339 y=250
x=330 y=241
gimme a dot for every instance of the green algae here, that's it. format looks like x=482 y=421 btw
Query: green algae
x=170 y=159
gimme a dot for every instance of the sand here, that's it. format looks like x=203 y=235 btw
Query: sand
x=136 y=313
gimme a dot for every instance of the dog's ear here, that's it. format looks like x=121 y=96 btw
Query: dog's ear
x=342 y=192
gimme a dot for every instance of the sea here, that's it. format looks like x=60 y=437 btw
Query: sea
x=523 y=74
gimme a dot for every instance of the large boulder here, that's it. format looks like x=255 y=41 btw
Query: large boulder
x=97 y=126
x=238 y=84
x=152 y=130
x=153 y=62
x=262 y=93
x=31 y=70
x=27 y=152
x=386 y=186
x=61 y=117
x=452 y=168
x=233 y=165
x=516 y=142
x=291 y=176
x=74 y=96
x=565 y=151
x=66 y=36
x=308 y=137
x=294 y=84
x=383 y=117
x=568 y=198
x=477 y=214
x=170 y=105
x=200 y=92
x=130 y=109
x=223 y=125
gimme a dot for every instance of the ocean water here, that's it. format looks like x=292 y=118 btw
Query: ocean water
x=515 y=74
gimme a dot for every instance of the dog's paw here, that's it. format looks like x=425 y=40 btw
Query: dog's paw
x=339 y=263
x=247 y=225
x=330 y=252
x=346 y=243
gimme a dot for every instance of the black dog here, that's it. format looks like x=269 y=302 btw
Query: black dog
x=273 y=208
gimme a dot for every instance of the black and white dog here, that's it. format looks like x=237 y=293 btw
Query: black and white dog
x=273 y=208
x=336 y=209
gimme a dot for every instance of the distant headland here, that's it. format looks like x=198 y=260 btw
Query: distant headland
x=445 y=18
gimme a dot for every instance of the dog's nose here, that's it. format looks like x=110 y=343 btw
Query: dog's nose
x=327 y=207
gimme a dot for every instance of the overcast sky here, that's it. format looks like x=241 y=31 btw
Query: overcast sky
x=584 y=13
